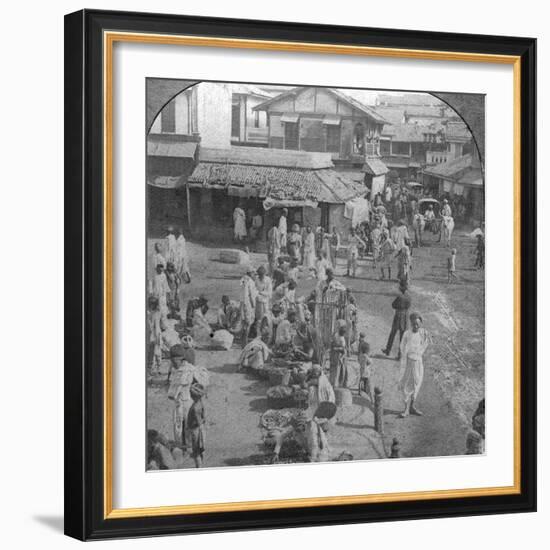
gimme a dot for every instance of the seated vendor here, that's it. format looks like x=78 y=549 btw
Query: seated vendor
x=304 y=352
x=279 y=273
x=192 y=305
x=284 y=335
x=293 y=271
x=229 y=315
x=201 y=331
x=286 y=293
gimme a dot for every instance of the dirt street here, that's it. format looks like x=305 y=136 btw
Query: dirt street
x=454 y=362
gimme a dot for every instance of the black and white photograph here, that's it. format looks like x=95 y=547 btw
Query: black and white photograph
x=315 y=274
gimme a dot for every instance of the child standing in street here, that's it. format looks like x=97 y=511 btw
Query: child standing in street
x=365 y=366
x=451 y=266
x=195 y=422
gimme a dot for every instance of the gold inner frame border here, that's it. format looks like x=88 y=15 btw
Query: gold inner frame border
x=109 y=39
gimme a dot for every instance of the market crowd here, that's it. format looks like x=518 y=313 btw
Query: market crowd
x=275 y=322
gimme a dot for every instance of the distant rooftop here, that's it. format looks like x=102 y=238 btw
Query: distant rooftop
x=407 y=100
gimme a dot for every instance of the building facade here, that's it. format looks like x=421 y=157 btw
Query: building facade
x=203 y=109
x=248 y=126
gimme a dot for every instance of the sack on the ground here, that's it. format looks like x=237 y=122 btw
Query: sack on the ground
x=223 y=339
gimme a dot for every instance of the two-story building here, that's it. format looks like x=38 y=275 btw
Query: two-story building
x=248 y=126
x=328 y=120
x=403 y=147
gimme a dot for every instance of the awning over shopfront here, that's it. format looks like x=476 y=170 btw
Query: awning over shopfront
x=270 y=203
x=167 y=146
x=332 y=120
x=166 y=182
x=290 y=117
x=245 y=192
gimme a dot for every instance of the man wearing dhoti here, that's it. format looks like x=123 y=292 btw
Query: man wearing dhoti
x=183 y=374
x=401 y=235
x=239 y=224
x=182 y=260
x=264 y=291
x=273 y=247
x=158 y=258
x=354 y=242
x=283 y=227
x=248 y=303
x=413 y=345
x=338 y=363
x=170 y=247
x=309 y=250
x=159 y=288
x=446 y=209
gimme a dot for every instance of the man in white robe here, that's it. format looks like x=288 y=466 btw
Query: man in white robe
x=239 y=224
x=182 y=260
x=413 y=345
x=170 y=247
x=283 y=228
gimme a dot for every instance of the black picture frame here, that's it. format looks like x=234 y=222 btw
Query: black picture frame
x=84 y=286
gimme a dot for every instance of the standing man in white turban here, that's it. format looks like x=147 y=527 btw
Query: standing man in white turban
x=413 y=345
x=239 y=224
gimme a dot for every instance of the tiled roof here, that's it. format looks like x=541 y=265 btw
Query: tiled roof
x=375 y=167
x=261 y=156
x=278 y=182
x=457 y=130
x=410 y=132
x=452 y=169
x=394 y=115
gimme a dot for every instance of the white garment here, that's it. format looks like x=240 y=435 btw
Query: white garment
x=412 y=347
x=182 y=262
x=239 y=223
x=282 y=231
x=171 y=248
x=401 y=233
x=309 y=250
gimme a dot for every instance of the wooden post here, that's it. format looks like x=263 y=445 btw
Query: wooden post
x=188 y=206
x=395 y=449
x=378 y=411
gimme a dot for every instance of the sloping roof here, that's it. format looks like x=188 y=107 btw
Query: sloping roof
x=353 y=102
x=260 y=156
x=457 y=130
x=472 y=177
x=452 y=169
x=410 y=132
x=250 y=89
x=394 y=115
x=359 y=105
x=225 y=168
x=403 y=132
x=375 y=167
x=399 y=162
x=159 y=145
